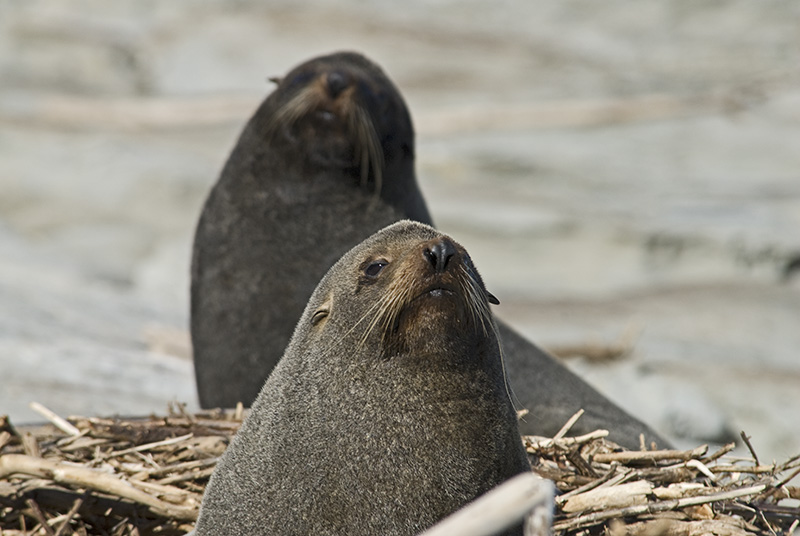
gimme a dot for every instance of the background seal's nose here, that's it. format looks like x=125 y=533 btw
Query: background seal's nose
x=337 y=82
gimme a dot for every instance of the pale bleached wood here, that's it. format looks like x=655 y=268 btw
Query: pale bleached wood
x=567 y=425
x=674 y=527
x=149 y=446
x=650 y=455
x=63 y=473
x=57 y=421
x=619 y=496
x=662 y=506
x=537 y=442
x=505 y=506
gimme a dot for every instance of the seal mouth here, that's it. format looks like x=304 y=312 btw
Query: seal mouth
x=440 y=292
x=351 y=138
x=325 y=116
x=437 y=291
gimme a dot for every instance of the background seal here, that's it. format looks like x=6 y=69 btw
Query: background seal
x=389 y=409
x=327 y=160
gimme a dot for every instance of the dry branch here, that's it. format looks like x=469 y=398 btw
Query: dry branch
x=651 y=455
x=503 y=507
x=80 y=477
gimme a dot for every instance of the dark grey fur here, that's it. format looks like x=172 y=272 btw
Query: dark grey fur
x=351 y=438
x=286 y=208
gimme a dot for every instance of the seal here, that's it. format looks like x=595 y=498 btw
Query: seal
x=327 y=160
x=389 y=409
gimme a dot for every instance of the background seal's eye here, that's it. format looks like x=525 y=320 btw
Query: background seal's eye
x=375 y=267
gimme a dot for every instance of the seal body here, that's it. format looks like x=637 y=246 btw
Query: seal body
x=389 y=409
x=327 y=160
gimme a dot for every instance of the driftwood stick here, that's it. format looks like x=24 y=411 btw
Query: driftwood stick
x=607 y=498
x=89 y=478
x=650 y=455
x=772 y=489
x=697 y=464
x=31 y=445
x=537 y=442
x=792 y=462
x=69 y=516
x=663 y=506
x=746 y=440
x=720 y=453
x=590 y=486
x=503 y=507
x=57 y=421
x=238 y=414
x=753 y=469
x=193 y=475
x=148 y=446
x=183 y=466
x=674 y=527
x=5 y=439
x=37 y=513
x=567 y=425
x=787 y=479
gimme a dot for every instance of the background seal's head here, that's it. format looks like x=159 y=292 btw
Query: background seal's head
x=343 y=112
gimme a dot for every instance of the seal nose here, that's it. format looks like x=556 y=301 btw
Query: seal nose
x=439 y=254
x=337 y=82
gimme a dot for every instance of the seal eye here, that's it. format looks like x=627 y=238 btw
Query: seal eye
x=375 y=267
x=300 y=79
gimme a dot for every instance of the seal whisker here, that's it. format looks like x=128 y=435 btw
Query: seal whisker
x=399 y=299
x=287 y=115
x=388 y=308
x=476 y=303
x=381 y=306
x=479 y=306
x=370 y=152
x=343 y=339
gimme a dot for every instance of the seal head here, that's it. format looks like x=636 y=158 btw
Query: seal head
x=389 y=409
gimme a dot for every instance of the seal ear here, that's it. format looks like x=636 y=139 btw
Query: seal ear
x=491 y=298
x=322 y=311
x=319 y=315
x=275 y=79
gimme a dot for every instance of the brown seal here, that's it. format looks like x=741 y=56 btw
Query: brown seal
x=389 y=409
x=327 y=160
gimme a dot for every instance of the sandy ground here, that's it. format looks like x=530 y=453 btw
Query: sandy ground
x=621 y=174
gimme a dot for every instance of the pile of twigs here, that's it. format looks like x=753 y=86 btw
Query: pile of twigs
x=605 y=488
x=109 y=476
x=146 y=476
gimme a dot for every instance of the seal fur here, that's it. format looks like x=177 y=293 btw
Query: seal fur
x=335 y=129
x=389 y=409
